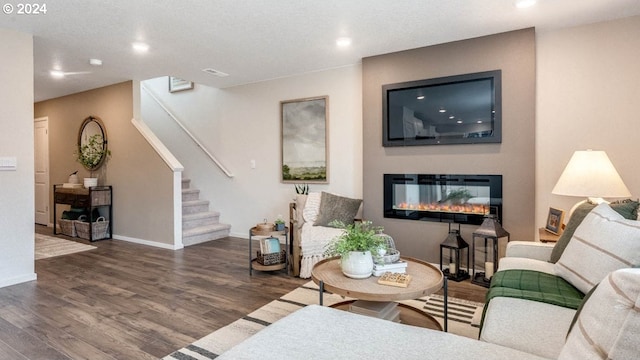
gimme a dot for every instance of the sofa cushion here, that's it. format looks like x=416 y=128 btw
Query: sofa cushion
x=627 y=208
x=604 y=242
x=336 y=208
x=530 y=326
x=608 y=327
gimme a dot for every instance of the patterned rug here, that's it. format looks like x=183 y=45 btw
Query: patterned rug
x=463 y=320
x=49 y=246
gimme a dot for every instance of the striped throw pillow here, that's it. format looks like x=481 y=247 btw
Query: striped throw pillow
x=608 y=325
x=604 y=242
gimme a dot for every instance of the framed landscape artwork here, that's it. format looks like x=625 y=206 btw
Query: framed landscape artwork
x=304 y=140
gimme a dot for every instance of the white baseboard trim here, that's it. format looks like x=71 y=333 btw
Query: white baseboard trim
x=18 y=280
x=147 y=242
x=239 y=235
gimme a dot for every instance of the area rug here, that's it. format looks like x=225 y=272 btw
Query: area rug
x=461 y=320
x=49 y=246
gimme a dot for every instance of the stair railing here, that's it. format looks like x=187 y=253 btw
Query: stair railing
x=195 y=140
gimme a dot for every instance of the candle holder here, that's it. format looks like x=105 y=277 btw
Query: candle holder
x=457 y=247
x=489 y=231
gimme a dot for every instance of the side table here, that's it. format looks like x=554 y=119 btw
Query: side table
x=546 y=236
x=253 y=261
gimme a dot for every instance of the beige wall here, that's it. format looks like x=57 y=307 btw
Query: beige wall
x=16 y=140
x=514 y=54
x=588 y=92
x=142 y=183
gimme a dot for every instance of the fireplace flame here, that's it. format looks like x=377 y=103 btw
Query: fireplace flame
x=477 y=209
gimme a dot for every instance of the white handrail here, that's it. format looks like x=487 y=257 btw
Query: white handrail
x=213 y=158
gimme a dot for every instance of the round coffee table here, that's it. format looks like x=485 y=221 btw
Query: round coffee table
x=425 y=280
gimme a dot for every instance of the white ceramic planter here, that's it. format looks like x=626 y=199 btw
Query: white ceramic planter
x=357 y=264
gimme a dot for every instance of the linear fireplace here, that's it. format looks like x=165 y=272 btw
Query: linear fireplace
x=463 y=199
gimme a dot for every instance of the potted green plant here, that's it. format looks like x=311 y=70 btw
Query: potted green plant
x=279 y=223
x=354 y=246
x=91 y=154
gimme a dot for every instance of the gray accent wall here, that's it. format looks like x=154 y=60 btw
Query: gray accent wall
x=514 y=158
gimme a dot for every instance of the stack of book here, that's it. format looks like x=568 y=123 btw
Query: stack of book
x=399 y=266
x=380 y=310
x=269 y=245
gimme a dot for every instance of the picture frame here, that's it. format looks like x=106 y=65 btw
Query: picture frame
x=304 y=140
x=177 y=84
x=554 y=221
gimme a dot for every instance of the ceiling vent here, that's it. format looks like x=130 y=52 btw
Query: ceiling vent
x=215 y=72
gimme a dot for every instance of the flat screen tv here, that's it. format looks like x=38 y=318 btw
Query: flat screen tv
x=459 y=109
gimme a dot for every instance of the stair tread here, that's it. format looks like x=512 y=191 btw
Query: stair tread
x=195 y=202
x=190 y=190
x=205 y=229
x=200 y=215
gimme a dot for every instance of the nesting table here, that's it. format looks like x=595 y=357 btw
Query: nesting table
x=426 y=279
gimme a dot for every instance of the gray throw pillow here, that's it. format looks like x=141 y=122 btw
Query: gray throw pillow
x=627 y=208
x=334 y=207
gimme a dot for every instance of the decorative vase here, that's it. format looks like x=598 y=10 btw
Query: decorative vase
x=357 y=264
x=89 y=182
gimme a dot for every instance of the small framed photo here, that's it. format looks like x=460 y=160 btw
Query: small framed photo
x=177 y=84
x=554 y=221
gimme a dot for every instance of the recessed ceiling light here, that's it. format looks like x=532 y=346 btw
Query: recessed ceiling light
x=56 y=74
x=420 y=97
x=459 y=121
x=442 y=110
x=140 y=47
x=521 y=4
x=479 y=121
x=343 y=42
x=95 y=62
x=452 y=117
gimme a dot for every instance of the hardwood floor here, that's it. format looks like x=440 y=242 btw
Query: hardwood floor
x=128 y=301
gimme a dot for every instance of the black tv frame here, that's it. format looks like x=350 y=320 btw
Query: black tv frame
x=496 y=135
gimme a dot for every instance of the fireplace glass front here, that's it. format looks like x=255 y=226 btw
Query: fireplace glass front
x=463 y=199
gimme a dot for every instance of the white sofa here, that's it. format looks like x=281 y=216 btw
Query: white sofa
x=609 y=318
x=603 y=242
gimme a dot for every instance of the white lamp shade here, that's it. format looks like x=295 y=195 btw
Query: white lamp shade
x=590 y=174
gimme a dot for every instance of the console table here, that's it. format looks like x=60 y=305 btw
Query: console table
x=95 y=197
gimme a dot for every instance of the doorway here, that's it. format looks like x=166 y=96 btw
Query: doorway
x=41 y=164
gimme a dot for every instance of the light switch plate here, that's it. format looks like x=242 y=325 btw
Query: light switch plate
x=8 y=163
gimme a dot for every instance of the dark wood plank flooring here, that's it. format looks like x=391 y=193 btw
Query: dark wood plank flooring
x=128 y=301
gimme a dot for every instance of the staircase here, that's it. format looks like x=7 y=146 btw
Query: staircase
x=198 y=223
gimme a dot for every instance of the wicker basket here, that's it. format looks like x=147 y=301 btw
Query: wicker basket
x=67 y=227
x=273 y=258
x=99 y=229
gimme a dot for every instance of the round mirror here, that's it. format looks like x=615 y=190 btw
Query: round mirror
x=92 y=143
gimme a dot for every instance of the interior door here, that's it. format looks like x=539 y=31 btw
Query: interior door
x=41 y=163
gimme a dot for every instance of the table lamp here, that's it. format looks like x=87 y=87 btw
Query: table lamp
x=590 y=174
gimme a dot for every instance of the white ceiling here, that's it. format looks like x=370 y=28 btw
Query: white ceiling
x=257 y=40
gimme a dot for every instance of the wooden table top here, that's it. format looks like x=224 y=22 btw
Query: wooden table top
x=425 y=280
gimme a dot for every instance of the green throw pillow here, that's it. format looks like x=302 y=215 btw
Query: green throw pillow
x=334 y=207
x=627 y=208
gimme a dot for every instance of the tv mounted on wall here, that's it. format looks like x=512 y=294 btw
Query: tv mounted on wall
x=459 y=109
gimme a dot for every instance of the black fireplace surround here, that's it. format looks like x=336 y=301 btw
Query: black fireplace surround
x=462 y=199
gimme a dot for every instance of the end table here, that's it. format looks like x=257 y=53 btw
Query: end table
x=253 y=261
